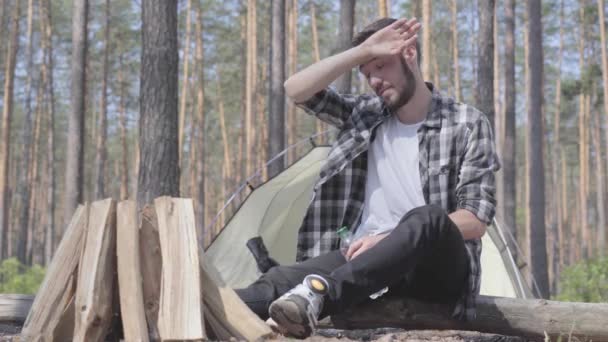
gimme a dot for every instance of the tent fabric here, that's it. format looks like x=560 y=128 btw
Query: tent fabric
x=275 y=210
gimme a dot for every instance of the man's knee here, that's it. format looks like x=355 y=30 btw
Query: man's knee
x=425 y=212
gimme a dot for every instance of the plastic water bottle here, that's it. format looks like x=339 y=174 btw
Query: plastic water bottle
x=346 y=238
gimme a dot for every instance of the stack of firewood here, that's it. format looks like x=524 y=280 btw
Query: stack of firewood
x=142 y=269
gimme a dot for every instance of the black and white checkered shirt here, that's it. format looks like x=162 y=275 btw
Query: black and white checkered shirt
x=457 y=164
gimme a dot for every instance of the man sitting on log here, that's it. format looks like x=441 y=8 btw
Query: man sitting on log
x=411 y=174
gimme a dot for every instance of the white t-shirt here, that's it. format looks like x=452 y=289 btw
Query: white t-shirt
x=393 y=178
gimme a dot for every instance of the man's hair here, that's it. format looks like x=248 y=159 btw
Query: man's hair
x=374 y=27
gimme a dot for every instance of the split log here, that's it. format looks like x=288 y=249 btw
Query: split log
x=129 y=273
x=58 y=288
x=151 y=267
x=226 y=313
x=95 y=291
x=530 y=318
x=180 y=315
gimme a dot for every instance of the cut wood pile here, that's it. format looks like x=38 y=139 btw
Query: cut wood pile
x=142 y=271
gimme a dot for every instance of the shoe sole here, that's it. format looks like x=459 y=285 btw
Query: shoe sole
x=287 y=314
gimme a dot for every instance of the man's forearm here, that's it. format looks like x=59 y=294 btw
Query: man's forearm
x=470 y=226
x=304 y=84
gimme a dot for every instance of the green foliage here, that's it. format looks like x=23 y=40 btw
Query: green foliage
x=586 y=281
x=18 y=278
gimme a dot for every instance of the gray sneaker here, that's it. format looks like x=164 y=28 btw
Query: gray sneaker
x=297 y=310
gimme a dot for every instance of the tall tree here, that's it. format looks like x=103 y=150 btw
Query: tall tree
x=382 y=8
x=74 y=177
x=600 y=7
x=47 y=45
x=199 y=139
x=456 y=65
x=102 y=151
x=534 y=130
x=28 y=236
x=184 y=92
x=292 y=57
x=599 y=179
x=276 y=97
x=122 y=119
x=506 y=204
x=9 y=79
x=25 y=187
x=320 y=125
x=345 y=36
x=426 y=39
x=556 y=151
x=484 y=95
x=251 y=85
x=582 y=131
x=158 y=131
x=227 y=169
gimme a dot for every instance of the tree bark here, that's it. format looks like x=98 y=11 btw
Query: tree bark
x=34 y=180
x=158 y=131
x=122 y=119
x=382 y=9
x=276 y=100
x=599 y=178
x=292 y=121
x=534 y=129
x=320 y=125
x=456 y=65
x=9 y=79
x=102 y=151
x=199 y=139
x=506 y=210
x=530 y=318
x=558 y=254
x=47 y=44
x=228 y=179
x=582 y=143
x=74 y=177
x=600 y=5
x=484 y=95
x=251 y=84
x=184 y=92
x=25 y=187
x=345 y=36
x=426 y=39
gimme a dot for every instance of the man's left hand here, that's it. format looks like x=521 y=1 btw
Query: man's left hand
x=363 y=244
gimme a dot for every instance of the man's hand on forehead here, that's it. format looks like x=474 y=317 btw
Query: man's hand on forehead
x=393 y=39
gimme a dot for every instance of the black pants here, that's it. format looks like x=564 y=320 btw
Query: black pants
x=424 y=257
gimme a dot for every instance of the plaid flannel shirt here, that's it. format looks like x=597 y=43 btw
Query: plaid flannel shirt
x=457 y=161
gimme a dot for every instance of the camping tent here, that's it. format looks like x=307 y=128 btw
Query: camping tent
x=275 y=210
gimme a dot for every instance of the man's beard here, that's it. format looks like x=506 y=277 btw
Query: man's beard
x=406 y=94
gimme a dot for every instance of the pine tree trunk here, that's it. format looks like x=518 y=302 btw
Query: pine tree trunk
x=582 y=131
x=599 y=178
x=263 y=127
x=50 y=154
x=184 y=92
x=25 y=187
x=345 y=36
x=158 y=136
x=34 y=180
x=319 y=125
x=74 y=177
x=558 y=216
x=122 y=119
x=251 y=85
x=276 y=101
x=227 y=155
x=534 y=129
x=426 y=39
x=382 y=9
x=456 y=66
x=485 y=72
x=102 y=151
x=564 y=245
x=199 y=141
x=9 y=79
x=601 y=243
x=507 y=209
x=292 y=68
